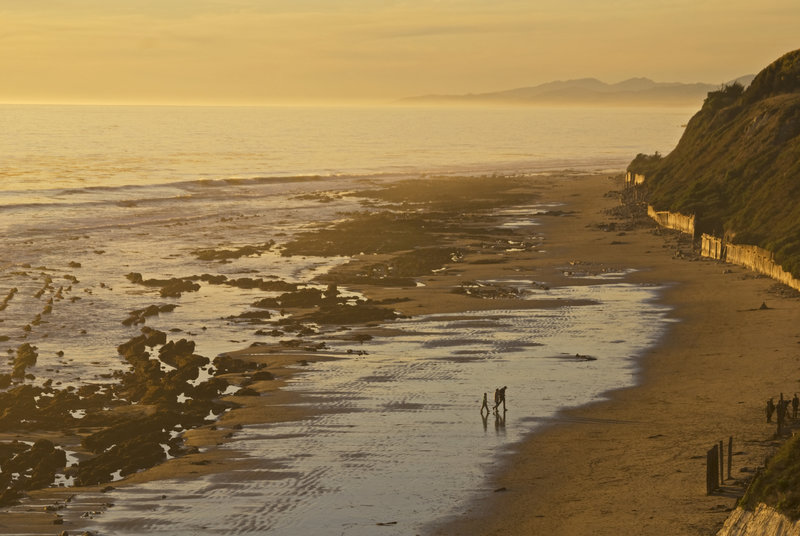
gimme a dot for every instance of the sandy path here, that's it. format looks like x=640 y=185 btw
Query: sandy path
x=635 y=464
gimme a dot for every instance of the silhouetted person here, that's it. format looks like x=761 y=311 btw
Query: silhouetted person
x=500 y=398
x=770 y=409
x=485 y=405
x=783 y=409
x=795 y=404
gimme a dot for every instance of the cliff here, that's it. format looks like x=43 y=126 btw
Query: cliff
x=737 y=165
x=763 y=521
x=771 y=505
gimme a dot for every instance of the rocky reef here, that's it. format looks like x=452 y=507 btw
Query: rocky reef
x=125 y=426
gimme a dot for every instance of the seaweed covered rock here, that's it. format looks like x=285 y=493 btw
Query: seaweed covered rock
x=304 y=297
x=26 y=357
x=139 y=316
x=262 y=375
x=350 y=314
x=153 y=337
x=134 y=350
x=32 y=468
x=149 y=426
x=175 y=287
x=171 y=351
x=172 y=288
x=18 y=407
x=226 y=364
x=227 y=254
x=121 y=460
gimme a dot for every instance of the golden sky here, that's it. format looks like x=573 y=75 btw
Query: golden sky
x=271 y=51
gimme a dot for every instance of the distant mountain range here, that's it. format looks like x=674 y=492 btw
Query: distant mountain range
x=635 y=91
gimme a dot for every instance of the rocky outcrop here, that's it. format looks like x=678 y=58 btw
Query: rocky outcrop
x=26 y=357
x=764 y=521
x=170 y=288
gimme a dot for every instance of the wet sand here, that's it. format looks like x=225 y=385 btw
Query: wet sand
x=631 y=465
x=635 y=463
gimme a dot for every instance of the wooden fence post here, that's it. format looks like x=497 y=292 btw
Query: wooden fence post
x=712 y=466
x=730 y=455
x=721 y=463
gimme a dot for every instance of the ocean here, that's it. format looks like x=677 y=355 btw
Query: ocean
x=92 y=193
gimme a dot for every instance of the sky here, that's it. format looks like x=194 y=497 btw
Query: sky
x=372 y=51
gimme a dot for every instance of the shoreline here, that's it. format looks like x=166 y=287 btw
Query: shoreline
x=582 y=234
x=634 y=463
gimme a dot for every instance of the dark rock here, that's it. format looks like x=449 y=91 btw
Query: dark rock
x=134 y=350
x=271 y=333
x=18 y=406
x=226 y=364
x=209 y=389
x=26 y=357
x=128 y=457
x=172 y=287
x=253 y=317
x=171 y=351
x=262 y=376
x=350 y=314
x=175 y=287
x=10 y=497
x=151 y=427
x=153 y=337
x=134 y=277
x=139 y=316
x=226 y=254
x=213 y=279
x=41 y=461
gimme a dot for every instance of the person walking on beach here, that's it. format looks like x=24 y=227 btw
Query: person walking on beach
x=500 y=398
x=770 y=409
x=783 y=412
x=485 y=405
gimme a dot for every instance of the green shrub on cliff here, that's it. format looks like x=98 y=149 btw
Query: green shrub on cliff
x=779 y=484
x=726 y=96
x=645 y=164
x=737 y=165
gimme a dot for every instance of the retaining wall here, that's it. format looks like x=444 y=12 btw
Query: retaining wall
x=633 y=179
x=672 y=220
x=752 y=257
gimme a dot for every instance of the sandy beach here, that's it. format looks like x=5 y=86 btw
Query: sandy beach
x=635 y=464
x=631 y=464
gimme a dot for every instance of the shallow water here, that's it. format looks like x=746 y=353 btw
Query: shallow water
x=401 y=440
x=89 y=194
x=88 y=251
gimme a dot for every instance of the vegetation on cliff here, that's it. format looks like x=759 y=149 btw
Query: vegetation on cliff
x=737 y=165
x=779 y=484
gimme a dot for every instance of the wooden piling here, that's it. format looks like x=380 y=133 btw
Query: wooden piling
x=712 y=470
x=730 y=455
